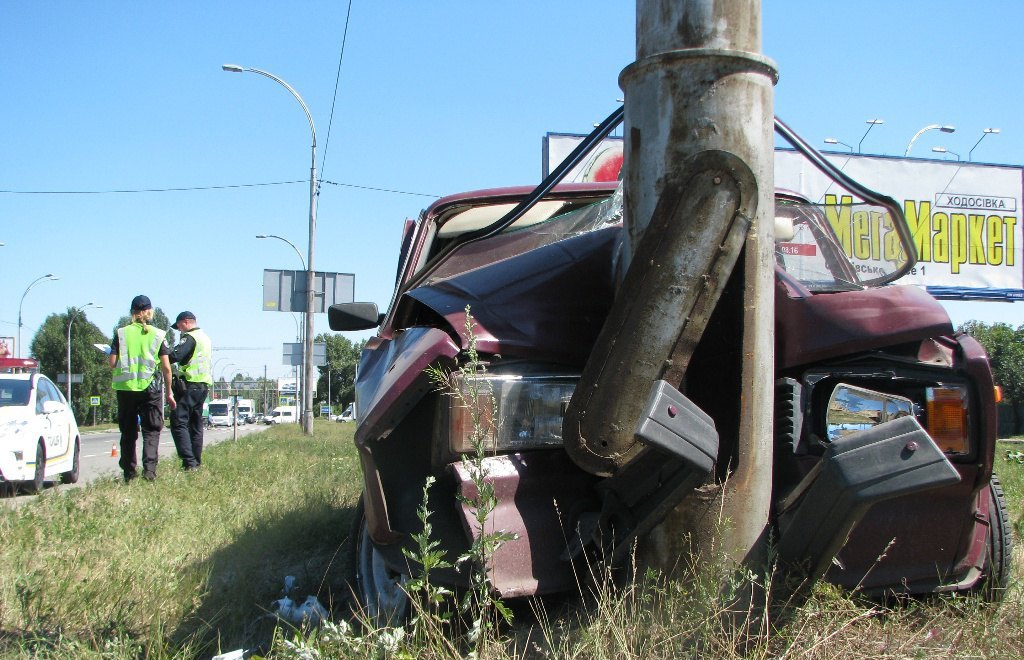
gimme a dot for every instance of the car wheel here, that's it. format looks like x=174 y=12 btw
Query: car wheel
x=381 y=590
x=39 y=476
x=71 y=476
x=1000 y=544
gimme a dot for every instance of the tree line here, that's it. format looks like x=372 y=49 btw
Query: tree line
x=1005 y=347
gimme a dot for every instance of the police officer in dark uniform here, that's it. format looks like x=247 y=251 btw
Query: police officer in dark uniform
x=137 y=352
x=192 y=354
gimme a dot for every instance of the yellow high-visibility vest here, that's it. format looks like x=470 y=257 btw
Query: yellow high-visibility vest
x=198 y=369
x=138 y=355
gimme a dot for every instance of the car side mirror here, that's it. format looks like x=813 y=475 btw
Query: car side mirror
x=352 y=316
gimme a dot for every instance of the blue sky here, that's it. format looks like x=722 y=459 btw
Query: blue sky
x=433 y=98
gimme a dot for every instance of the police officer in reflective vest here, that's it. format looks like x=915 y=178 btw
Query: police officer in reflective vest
x=192 y=354
x=137 y=351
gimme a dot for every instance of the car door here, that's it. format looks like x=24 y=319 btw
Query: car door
x=56 y=425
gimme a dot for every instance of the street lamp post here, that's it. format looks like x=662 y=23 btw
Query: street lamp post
x=943 y=150
x=298 y=333
x=227 y=383
x=71 y=319
x=987 y=131
x=49 y=276
x=871 y=124
x=213 y=372
x=929 y=127
x=307 y=348
x=831 y=140
x=296 y=374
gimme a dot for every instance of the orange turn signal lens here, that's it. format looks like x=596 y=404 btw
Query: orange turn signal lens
x=947 y=419
x=999 y=393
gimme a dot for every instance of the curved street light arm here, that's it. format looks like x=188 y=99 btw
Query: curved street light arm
x=71 y=320
x=929 y=127
x=238 y=69
x=48 y=276
x=281 y=238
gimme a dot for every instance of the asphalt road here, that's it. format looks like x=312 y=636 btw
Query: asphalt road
x=97 y=458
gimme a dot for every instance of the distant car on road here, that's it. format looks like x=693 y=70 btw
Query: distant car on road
x=349 y=415
x=282 y=415
x=39 y=437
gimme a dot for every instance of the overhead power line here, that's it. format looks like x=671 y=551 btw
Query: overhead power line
x=387 y=190
x=199 y=188
x=337 y=79
x=146 y=190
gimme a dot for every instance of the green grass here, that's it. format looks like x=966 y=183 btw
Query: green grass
x=188 y=566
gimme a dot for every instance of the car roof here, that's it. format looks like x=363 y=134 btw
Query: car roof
x=4 y=376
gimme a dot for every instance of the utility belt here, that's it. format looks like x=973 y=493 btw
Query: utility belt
x=179 y=385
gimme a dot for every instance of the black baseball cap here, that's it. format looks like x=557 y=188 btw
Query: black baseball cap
x=141 y=303
x=182 y=317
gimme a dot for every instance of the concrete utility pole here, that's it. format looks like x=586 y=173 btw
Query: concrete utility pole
x=700 y=83
x=699 y=201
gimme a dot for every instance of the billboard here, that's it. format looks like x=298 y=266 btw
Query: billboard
x=6 y=347
x=602 y=164
x=964 y=217
x=289 y=387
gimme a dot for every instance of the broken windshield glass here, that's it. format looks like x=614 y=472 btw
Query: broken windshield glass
x=517 y=238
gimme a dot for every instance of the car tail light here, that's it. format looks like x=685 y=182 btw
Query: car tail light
x=516 y=412
x=946 y=408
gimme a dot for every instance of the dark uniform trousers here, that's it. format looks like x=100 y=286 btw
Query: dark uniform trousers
x=187 y=422
x=135 y=409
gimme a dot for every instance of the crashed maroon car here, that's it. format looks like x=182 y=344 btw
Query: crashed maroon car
x=858 y=360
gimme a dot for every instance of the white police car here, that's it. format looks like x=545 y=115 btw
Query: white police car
x=39 y=437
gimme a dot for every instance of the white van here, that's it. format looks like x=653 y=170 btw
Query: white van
x=221 y=413
x=283 y=415
x=245 y=410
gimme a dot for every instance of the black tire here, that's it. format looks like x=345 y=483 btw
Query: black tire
x=1000 y=544
x=380 y=590
x=39 y=476
x=71 y=476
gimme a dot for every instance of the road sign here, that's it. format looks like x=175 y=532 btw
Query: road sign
x=94 y=401
x=285 y=290
x=325 y=410
x=292 y=354
x=239 y=385
x=75 y=378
